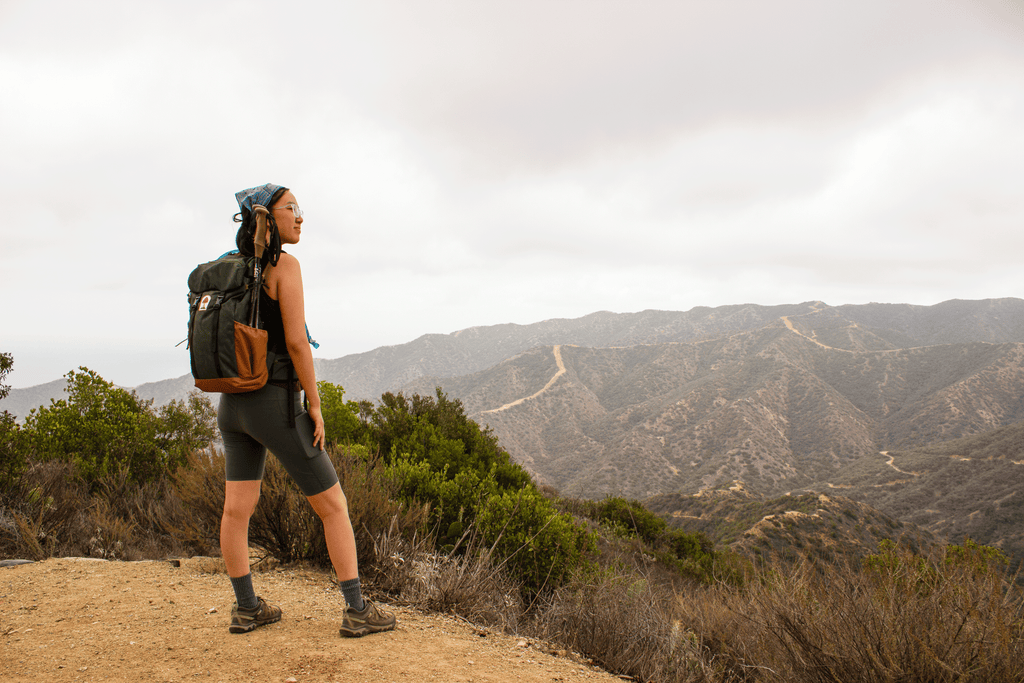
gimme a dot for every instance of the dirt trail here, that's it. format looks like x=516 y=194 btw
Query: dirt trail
x=561 y=371
x=792 y=328
x=890 y=463
x=76 y=619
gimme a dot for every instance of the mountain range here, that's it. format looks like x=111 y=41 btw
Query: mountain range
x=791 y=399
x=781 y=398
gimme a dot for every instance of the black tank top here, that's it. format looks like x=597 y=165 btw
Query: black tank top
x=279 y=363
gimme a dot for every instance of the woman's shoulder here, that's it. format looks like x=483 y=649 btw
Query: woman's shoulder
x=287 y=269
x=286 y=262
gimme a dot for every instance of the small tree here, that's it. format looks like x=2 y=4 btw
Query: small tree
x=6 y=364
x=103 y=429
x=437 y=430
x=541 y=546
x=436 y=455
x=13 y=444
x=341 y=417
x=184 y=427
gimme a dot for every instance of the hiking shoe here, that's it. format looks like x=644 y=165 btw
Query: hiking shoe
x=244 y=620
x=371 y=619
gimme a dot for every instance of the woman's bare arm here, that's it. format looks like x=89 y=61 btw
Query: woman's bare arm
x=286 y=279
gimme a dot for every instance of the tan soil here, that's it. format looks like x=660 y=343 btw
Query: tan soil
x=77 y=619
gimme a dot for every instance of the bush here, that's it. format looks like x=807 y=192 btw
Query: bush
x=453 y=502
x=541 y=547
x=688 y=555
x=437 y=456
x=631 y=517
x=102 y=430
x=341 y=417
x=15 y=449
x=436 y=430
x=14 y=445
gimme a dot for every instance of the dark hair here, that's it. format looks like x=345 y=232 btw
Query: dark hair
x=247 y=231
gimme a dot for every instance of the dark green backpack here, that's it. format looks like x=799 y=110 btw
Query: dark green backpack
x=227 y=350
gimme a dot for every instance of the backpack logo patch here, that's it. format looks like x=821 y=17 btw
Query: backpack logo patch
x=204 y=302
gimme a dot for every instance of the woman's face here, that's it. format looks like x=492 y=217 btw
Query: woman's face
x=288 y=224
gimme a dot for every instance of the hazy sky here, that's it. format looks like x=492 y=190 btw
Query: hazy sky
x=474 y=163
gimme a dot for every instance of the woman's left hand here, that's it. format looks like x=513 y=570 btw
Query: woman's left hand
x=318 y=427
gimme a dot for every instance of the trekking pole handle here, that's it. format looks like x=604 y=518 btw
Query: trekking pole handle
x=260 y=238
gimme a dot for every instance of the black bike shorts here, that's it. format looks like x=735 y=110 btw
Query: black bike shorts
x=253 y=422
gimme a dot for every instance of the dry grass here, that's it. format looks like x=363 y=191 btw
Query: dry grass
x=929 y=620
x=954 y=617
x=943 y=619
x=958 y=616
x=618 y=619
x=43 y=513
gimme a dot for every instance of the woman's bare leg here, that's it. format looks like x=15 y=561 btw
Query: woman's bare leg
x=240 y=498
x=332 y=507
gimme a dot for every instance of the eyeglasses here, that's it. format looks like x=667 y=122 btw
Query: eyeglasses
x=293 y=206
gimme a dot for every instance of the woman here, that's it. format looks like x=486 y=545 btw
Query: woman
x=272 y=418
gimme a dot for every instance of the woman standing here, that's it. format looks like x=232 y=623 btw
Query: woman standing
x=272 y=418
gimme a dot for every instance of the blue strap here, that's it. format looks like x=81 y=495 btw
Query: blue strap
x=308 y=335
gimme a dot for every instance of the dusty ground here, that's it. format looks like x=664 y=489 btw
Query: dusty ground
x=76 y=619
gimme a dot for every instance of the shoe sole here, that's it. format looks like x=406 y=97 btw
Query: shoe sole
x=363 y=630
x=238 y=628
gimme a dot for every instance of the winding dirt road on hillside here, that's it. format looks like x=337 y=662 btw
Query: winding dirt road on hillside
x=789 y=324
x=557 y=348
x=891 y=464
x=79 y=619
x=792 y=328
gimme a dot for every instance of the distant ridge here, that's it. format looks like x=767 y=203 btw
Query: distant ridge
x=20 y=401
x=369 y=374
x=788 y=399
x=775 y=408
x=389 y=368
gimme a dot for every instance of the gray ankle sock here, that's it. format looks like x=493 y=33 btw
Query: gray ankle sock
x=245 y=596
x=353 y=592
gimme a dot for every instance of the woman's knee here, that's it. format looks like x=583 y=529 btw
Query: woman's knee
x=329 y=503
x=240 y=498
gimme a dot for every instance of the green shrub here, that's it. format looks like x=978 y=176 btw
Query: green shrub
x=436 y=430
x=690 y=555
x=631 y=516
x=102 y=429
x=341 y=417
x=13 y=444
x=453 y=502
x=540 y=546
x=437 y=456
x=15 y=449
x=184 y=427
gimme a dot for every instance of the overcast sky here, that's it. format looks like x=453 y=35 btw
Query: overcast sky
x=474 y=163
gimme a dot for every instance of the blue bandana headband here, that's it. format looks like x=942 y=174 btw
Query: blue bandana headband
x=262 y=195
x=256 y=195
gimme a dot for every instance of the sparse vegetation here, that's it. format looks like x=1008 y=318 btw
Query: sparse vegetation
x=444 y=520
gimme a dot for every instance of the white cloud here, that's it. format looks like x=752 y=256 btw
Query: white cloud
x=468 y=163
